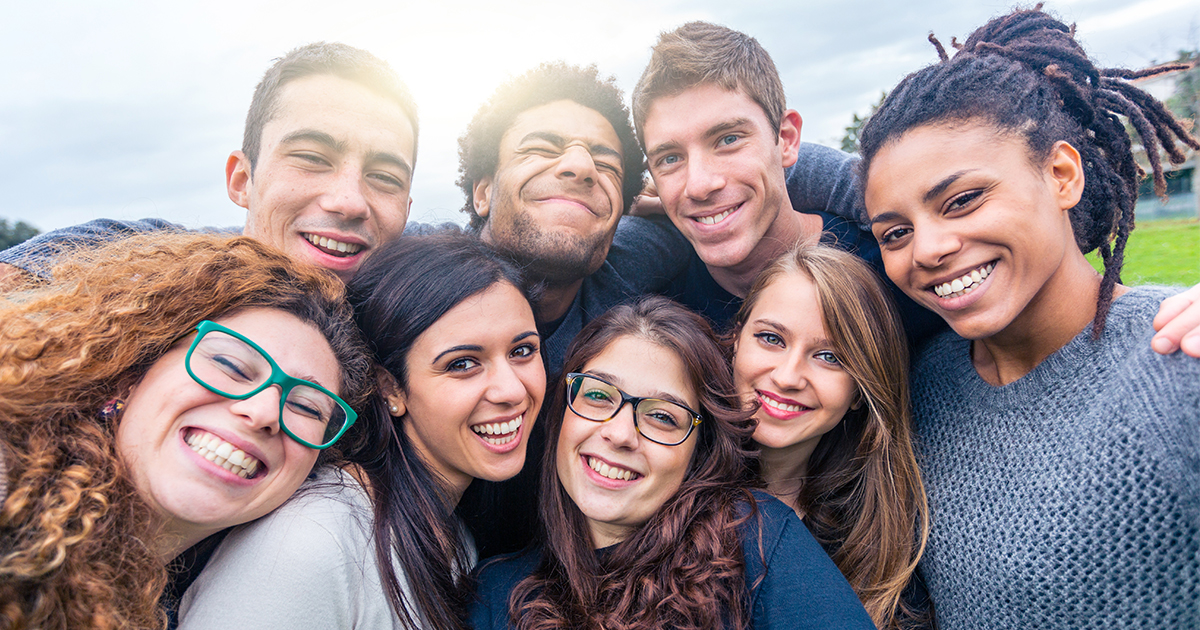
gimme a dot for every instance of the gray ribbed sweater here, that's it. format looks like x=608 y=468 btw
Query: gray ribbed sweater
x=1071 y=497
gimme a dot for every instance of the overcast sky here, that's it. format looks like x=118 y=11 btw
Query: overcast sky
x=128 y=109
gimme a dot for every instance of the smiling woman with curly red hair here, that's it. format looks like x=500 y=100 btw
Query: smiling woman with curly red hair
x=194 y=332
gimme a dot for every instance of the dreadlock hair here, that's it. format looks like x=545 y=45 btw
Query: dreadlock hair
x=684 y=567
x=77 y=540
x=1025 y=73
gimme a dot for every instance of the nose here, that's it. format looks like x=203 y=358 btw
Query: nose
x=260 y=411
x=703 y=178
x=506 y=387
x=791 y=373
x=932 y=243
x=345 y=195
x=620 y=430
x=576 y=163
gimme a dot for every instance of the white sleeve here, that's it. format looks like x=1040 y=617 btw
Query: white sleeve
x=309 y=564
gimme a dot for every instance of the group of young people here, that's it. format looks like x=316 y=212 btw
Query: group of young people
x=200 y=428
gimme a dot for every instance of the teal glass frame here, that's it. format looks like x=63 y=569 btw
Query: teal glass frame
x=285 y=381
x=634 y=401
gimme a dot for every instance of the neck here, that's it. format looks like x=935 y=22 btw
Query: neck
x=607 y=534
x=784 y=470
x=174 y=538
x=788 y=229
x=1052 y=319
x=555 y=301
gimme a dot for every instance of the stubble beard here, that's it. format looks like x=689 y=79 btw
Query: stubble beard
x=553 y=259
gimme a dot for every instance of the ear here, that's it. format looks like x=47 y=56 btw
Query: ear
x=390 y=390
x=481 y=196
x=237 y=178
x=789 y=136
x=1065 y=173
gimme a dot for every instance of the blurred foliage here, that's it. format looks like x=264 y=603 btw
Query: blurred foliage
x=15 y=234
x=850 y=138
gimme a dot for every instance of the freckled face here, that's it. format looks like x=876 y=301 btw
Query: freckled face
x=167 y=409
x=785 y=362
x=969 y=226
x=589 y=454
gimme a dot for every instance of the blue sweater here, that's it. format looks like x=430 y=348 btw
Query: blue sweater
x=791 y=583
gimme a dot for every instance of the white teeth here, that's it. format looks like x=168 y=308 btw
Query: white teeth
x=337 y=246
x=778 y=405
x=716 y=218
x=611 y=472
x=964 y=285
x=222 y=453
x=506 y=431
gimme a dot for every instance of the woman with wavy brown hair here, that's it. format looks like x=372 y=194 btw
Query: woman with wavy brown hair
x=648 y=522
x=162 y=389
x=820 y=352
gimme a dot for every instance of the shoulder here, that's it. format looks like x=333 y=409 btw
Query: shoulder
x=495 y=581
x=313 y=561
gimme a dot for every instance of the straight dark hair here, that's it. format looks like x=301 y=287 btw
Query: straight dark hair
x=397 y=295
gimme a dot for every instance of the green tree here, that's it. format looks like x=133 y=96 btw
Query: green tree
x=850 y=138
x=15 y=234
x=1185 y=102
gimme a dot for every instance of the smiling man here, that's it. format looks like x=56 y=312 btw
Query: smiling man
x=324 y=172
x=548 y=166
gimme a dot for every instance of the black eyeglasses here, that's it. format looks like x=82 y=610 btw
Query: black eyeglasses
x=661 y=421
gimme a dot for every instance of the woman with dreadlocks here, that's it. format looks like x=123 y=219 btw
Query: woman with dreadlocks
x=1061 y=455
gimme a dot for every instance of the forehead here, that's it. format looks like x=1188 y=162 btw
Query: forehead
x=296 y=345
x=347 y=111
x=699 y=111
x=644 y=368
x=791 y=299
x=566 y=119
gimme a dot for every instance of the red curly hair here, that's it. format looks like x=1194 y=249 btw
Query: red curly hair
x=76 y=540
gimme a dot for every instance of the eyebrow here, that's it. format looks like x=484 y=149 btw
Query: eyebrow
x=774 y=324
x=340 y=146
x=656 y=394
x=714 y=130
x=559 y=141
x=478 y=348
x=941 y=186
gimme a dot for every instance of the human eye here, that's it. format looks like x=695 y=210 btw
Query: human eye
x=596 y=394
x=828 y=357
x=387 y=179
x=892 y=235
x=306 y=408
x=728 y=139
x=524 y=350
x=461 y=364
x=963 y=201
x=314 y=159
x=233 y=367
x=769 y=338
x=664 y=416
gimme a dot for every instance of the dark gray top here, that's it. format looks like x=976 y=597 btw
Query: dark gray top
x=1071 y=497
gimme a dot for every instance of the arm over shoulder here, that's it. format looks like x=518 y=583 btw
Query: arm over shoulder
x=37 y=255
x=826 y=179
x=648 y=252
x=495 y=580
x=801 y=587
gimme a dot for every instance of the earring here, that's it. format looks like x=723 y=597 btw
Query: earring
x=394 y=409
x=112 y=409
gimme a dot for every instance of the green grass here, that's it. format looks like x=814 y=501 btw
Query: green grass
x=1161 y=252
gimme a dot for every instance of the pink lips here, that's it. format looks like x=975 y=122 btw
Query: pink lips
x=775 y=412
x=218 y=471
x=601 y=480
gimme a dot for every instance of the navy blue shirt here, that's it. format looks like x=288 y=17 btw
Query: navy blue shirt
x=790 y=583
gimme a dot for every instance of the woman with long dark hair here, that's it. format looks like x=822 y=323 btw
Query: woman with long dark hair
x=377 y=545
x=1058 y=450
x=648 y=522
x=820 y=352
x=161 y=389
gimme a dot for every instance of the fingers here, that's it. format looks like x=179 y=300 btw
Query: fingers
x=1178 y=324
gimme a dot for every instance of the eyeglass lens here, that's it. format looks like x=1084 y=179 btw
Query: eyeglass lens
x=658 y=420
x=227 y=364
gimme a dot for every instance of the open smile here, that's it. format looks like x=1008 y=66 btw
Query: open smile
x=961 y=286
x=340 y=249
x=609 y=470
x=224 y=454
x=779 y=407
x=714 y=219
x=499 y=433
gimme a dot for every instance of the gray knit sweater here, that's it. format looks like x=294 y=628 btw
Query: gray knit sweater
x=1071 y=497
